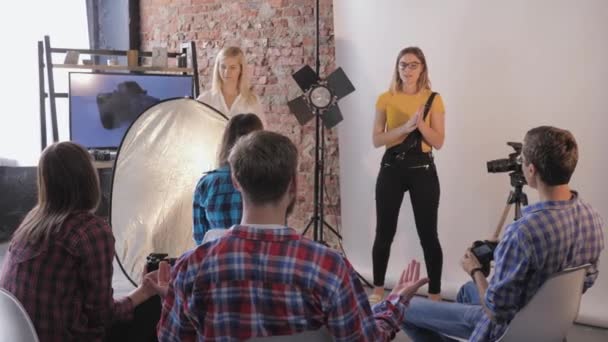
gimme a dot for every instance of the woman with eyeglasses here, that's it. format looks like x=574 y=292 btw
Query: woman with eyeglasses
x=399 y=113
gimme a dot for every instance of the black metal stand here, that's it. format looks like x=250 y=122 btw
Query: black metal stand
x=317 y=220
x=42 y=98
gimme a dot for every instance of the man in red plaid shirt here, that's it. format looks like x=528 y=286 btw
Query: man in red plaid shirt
x=263 y=278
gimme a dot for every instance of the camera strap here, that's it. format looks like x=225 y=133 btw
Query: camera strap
x=412 y=144
x=427 y=105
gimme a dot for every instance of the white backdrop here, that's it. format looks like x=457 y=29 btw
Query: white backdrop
x=501 y=68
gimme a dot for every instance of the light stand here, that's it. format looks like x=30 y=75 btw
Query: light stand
x=317 y=221
x=319 y=100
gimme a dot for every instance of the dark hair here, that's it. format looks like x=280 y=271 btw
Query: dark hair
x=238 y=126
x=67 y=183
x=553 y=152
x=264 y=163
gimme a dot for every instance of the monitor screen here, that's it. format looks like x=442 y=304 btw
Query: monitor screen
x=103 y=105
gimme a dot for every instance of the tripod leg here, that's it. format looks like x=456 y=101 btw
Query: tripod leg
x=365 y=281
x=501 y=223
x=312 y=219
x=332 y=229
x=517 y=211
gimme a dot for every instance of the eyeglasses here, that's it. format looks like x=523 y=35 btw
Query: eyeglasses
x=411 y=66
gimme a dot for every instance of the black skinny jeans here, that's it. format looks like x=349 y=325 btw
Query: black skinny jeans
x=423 y=185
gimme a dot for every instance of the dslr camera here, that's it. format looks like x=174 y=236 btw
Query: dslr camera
x=123 y=105
x=154 y=259
x=484 y=252
x=510 y=164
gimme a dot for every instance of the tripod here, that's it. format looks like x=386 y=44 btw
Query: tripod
x=317 y=221
x=516 y=198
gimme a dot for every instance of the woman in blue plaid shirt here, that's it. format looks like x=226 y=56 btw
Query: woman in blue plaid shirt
x=217 y=204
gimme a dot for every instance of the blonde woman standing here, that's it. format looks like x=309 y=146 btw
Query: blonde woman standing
x=230 y=91
x=399 y=113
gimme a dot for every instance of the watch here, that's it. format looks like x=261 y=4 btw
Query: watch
x=394 y=299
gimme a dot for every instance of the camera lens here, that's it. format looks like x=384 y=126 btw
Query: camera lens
x=501 y=165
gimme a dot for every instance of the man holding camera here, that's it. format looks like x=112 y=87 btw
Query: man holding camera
x=558 y=232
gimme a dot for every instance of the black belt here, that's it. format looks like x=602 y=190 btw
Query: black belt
x=392 y=157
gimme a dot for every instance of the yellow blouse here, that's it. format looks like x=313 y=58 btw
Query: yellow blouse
x=400 y=107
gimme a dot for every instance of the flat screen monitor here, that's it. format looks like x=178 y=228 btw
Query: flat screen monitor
x=103 y=105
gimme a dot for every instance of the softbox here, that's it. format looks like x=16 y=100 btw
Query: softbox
x=161 y=157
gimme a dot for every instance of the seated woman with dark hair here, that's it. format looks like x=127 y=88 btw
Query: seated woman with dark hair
x=59 y=262
x=217 y=204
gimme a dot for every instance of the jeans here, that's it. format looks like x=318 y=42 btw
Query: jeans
x=422 y=184
x=427 y=320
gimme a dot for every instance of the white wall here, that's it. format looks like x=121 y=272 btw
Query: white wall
x=502 y=68
x=21 y=27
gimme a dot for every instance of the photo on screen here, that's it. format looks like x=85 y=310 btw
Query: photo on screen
x=103 y=105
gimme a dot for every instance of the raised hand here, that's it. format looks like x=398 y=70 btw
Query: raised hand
x=409 y=282
x=158 y=281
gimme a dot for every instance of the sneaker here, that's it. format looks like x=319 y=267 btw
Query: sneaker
x=436 y=297
x=374 y=299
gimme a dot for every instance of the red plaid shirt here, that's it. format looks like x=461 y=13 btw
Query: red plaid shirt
x=265 y=282
x=65 y=284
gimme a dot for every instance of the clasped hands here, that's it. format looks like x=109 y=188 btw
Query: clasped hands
x=416 y=121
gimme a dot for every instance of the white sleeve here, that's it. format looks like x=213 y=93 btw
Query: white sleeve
x=203 y=97
x=257 y=107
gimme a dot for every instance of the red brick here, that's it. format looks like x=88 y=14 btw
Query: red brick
x=275 y=47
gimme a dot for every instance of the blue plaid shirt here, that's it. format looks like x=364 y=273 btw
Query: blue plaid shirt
x=257 y=281
x=217 y=204
x=550 y=237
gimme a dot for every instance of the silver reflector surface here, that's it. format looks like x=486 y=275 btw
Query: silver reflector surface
x=160 y=160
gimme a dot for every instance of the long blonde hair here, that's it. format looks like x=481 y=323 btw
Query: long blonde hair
x=67 y=183
x=243 y=83
x=424 y=82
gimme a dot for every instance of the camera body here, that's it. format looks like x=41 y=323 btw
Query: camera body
x=154 y=259
x=512 y=163
x=484 y=252
x=123 y=105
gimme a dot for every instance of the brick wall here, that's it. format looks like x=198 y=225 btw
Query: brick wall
x=278 y=37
